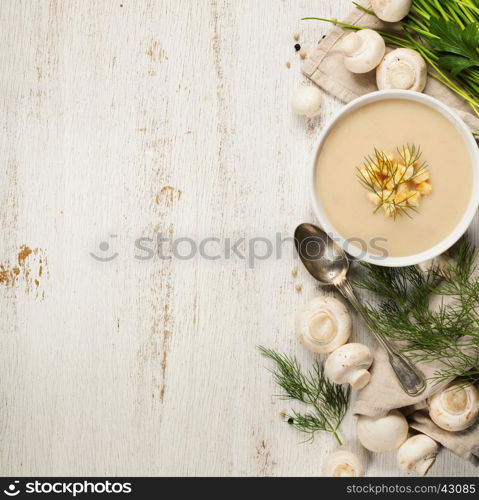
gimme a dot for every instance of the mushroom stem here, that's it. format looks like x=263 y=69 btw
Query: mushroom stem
x=349 y=364
x=351 y=44
x=360 y=379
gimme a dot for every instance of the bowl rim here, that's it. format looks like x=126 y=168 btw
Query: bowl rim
x=463 y=223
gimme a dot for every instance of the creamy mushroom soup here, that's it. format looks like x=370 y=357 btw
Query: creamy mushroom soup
x=410 y=209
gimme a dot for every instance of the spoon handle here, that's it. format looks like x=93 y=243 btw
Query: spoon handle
x=410 y=378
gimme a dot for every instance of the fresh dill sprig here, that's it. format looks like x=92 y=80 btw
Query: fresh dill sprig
x=383 y=176
x=450 y=332
x=328 y=401
x=410 y=155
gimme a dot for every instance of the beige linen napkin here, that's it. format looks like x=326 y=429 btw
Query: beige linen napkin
x=383 y=393
x=325 y=67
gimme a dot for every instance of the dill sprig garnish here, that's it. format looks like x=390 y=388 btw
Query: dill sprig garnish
x=392 y=182
x=449 y=333
x=411 y=157
x=328 y=401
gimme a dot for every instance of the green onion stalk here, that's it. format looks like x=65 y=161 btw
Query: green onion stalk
x=415 y=34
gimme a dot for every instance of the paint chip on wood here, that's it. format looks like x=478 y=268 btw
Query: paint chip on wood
x=156 y=53
x=168 y=195
x=27 y=271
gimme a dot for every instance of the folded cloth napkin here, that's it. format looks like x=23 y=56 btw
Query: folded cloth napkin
x=325 y=67
x=383 y=393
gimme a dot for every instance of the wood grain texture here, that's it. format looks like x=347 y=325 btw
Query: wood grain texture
x=128 y=120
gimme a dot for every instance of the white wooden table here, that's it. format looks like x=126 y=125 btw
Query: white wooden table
x=127 y=118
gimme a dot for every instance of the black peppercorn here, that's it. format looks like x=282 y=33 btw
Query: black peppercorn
x=297 y=47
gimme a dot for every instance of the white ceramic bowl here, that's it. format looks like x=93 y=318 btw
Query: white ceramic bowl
x=471 y=209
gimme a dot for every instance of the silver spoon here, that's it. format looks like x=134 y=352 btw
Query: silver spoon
x=327 y=262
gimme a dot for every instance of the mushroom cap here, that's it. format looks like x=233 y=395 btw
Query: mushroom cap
x=363 y=50
x=418 y=454
x=391 y=11
x=382 y=433
x=349 y=364
x=343 y=464
x=455 y=408
x=402 y=69
x=307 y=101
x=323 y=324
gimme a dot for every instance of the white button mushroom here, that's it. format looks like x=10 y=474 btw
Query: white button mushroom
x=382 y=433
x=323 y=324
x=307 y=101
x=363 y=50
x=343 y=464
x=402 y=69
x=349 y=364
x=417 y=454
x=391 y=11
x=455 y=408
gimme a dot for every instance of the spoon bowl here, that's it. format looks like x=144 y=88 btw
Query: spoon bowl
x=324 y=260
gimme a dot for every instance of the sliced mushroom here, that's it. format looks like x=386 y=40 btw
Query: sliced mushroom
x=363 y=50
x=402 y=69
x=343 y=464
x=391 y=11
x=455 y=408
x=323 y=324
x=417 y=454
x=307 y=101
x=349 y=364
x=382 y=433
